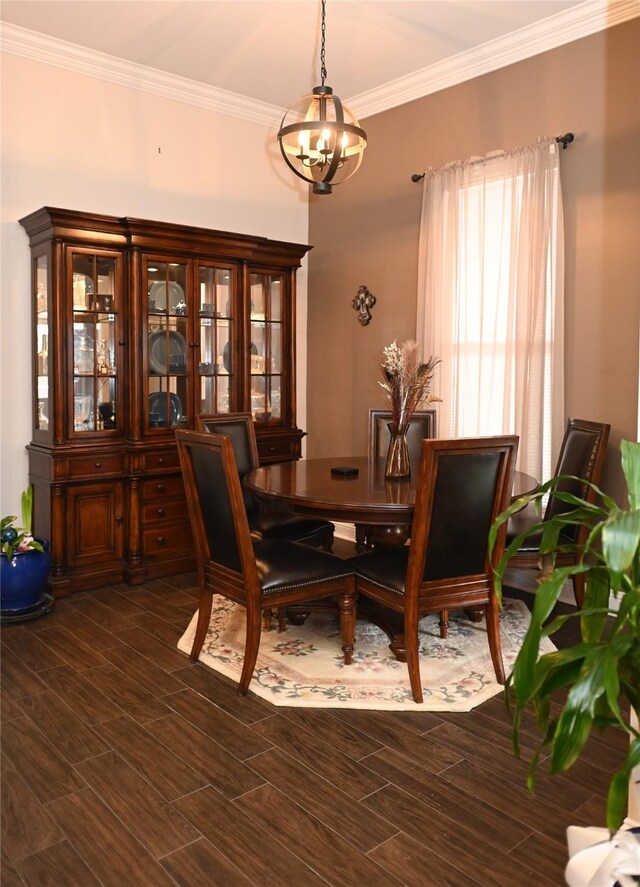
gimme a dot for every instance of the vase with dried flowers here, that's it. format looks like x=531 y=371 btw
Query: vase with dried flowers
x=407 y=380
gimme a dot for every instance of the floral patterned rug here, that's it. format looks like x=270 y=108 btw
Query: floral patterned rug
x=303 y=666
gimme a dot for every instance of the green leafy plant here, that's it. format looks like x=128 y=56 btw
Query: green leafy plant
x=14 y=538
x=602 y=672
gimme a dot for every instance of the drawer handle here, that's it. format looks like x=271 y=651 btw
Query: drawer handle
x=119 y=520
x=161 y=461
x=160 y=488
x=161 y=512
x=272 y=449
x=161 y=540
x=98 y=464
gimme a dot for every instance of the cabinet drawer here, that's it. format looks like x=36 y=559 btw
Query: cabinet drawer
x=162 y=488
x=158 y=461
x=158 y=512
x=165 y=539
x=94 y=466
x=278 y=450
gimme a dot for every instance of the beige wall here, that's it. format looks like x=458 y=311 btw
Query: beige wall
x=367 y=232
x=74 y=141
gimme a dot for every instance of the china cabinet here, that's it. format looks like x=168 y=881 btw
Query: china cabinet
x=139 y=328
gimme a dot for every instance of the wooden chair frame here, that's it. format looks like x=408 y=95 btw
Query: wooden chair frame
x=459 y=592
x=530 y=558
x=243 y=585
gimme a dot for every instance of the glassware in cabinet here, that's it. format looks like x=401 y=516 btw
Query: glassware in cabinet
x=41 y=282
x=266 y=334
x=216 y=366
x=95 y=296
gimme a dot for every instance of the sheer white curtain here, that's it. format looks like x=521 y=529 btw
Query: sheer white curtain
x=491 y=298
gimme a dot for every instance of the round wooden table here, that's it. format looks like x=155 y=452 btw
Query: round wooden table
x=308 y=487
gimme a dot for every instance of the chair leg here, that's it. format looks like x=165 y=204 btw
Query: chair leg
x=492 y=617
x=579 y=588
x=204 y=618
x=444 y=623
x=348 y=615
x=282 y=618
x=412 y=645
x=251 y=647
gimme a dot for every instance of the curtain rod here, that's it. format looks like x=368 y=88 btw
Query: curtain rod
x=564 y=140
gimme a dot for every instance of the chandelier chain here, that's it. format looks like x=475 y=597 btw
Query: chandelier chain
x=323 y=68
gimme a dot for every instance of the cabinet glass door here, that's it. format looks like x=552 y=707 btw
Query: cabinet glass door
x=216 y=309
x=41 y=279
x=95 y=306
x=267 y=337
x=168 y=353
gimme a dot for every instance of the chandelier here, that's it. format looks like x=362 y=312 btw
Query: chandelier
x=320 y=139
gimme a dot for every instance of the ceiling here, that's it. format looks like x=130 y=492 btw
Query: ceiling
x=269 y=49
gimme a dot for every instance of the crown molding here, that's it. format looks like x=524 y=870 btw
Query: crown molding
x=564 y=27
x=557 y=30
x=62 y=54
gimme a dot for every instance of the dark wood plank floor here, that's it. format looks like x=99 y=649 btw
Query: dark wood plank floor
x=124 y=764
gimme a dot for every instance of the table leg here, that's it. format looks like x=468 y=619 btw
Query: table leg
x=361 y=536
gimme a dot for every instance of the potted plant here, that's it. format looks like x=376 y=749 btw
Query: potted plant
x=601 y=672
x=24 y=565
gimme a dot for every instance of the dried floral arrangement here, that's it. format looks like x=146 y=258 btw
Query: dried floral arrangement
x=407 y=380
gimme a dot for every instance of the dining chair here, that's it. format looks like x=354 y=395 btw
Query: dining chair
x=581 y=456
x=265 y=524
x=421 y=424
x=255 y=573
x=462 y=486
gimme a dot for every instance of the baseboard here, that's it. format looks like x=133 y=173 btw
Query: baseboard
x=345 y=531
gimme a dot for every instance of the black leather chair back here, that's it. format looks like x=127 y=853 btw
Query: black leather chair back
x=582 y=454
x=239 y=429
x=462 y=513
x=462 y=486
x=216 y=512
x=422 y=424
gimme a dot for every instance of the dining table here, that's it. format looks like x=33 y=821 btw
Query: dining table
x=352 y=490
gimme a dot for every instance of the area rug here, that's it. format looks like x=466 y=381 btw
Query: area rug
x=303 y=666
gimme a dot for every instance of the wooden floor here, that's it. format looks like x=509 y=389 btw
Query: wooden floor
x=125 y=765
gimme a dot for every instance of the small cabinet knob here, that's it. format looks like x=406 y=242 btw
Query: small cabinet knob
x=161 y=540
x=161 y=460
x=119 y=520
x=160 y=488
x=161 y=512
x=98 y=464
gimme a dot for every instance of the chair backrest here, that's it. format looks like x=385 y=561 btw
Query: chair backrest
x=582 y=455
x=422 y=424
x=238 y=427
x=214 y=499
x=462 y=486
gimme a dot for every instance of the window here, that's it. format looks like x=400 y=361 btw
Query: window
x=490 y=300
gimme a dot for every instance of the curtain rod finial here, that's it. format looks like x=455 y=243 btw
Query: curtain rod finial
x=417 y=176
x=566 y=139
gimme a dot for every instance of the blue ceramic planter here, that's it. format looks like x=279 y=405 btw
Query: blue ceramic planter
x=23 y=580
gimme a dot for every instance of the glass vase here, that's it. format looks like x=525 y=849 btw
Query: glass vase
x=397 y=467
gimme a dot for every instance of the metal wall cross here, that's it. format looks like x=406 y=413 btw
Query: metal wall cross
x=363 y=302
